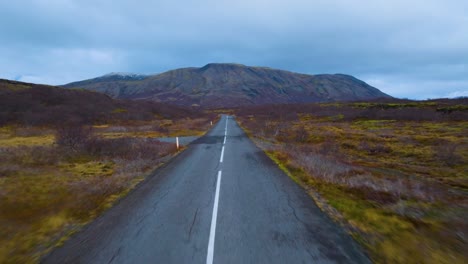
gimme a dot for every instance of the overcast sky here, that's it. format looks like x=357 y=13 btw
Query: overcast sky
x=407 y=48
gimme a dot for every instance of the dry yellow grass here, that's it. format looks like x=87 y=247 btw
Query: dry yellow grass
x=27 y=136
x=45 y=140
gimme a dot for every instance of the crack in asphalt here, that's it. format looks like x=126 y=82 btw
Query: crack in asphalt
x=193 y=222
x=115 y=255
x=288 y=197
x=153 y=207
x=294 y=210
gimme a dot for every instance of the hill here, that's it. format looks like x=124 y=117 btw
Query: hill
x=33 y=104
x=229 y=85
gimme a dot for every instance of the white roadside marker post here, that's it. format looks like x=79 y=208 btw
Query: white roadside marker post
x=211 y=122
x=177 y=142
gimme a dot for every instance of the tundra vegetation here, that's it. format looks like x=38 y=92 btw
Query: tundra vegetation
x=68 y=155
x=394 y=173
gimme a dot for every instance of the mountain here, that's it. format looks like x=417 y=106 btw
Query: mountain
x=34 y=104
x=113 y=77
x=229 y=85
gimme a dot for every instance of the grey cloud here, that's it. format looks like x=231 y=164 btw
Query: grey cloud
x=399 y=46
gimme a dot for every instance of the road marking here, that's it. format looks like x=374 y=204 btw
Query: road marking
x=209 y=256
x=222 y=155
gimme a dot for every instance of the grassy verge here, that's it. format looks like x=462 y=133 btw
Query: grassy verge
x=52 y=183
x=398 y=186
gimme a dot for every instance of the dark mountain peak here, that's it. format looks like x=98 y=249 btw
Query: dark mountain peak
x=217 y=67
x=346 y=76
x=231 y=85
x=236 y=66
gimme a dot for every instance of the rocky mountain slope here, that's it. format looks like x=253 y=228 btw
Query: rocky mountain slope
x=229 y=85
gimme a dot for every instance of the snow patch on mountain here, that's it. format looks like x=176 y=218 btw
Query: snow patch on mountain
x=125 y=75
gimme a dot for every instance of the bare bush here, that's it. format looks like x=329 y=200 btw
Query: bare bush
x=379 y=189
x=128 y=148
x=143 y=128
x=329 y=148
x=320 y=166
x=445 y=152
x=377 y=148
x=301 y=134
x=160 y=128
x=30 y=155
x=269 y=128
x=116 y=129
x=73 y=136
x=9 y=169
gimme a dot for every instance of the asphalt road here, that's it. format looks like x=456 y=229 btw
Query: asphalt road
x=220 y=201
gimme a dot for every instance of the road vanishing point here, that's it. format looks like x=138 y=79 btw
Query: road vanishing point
x=222 y=200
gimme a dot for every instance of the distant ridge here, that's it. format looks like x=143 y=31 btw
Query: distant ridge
x=218 y=85
x=111 y=77
x=32 y=104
